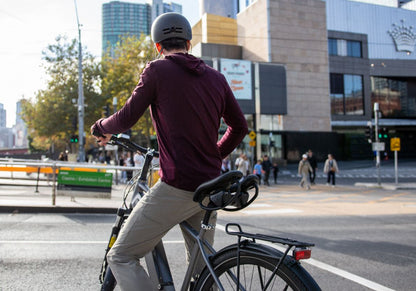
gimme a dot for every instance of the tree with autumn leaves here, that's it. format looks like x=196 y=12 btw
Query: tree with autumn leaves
x=51 y=116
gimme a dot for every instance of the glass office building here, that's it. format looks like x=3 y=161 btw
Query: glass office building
x=121 y=19
x=126 y=19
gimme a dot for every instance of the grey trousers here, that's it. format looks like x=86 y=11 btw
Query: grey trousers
x=155 y=214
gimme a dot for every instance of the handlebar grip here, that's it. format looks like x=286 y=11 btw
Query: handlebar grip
x=97 y=133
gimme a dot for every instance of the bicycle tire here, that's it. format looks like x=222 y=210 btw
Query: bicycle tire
x=290 y=276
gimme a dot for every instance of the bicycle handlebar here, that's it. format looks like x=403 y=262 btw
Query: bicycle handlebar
x=124 y=141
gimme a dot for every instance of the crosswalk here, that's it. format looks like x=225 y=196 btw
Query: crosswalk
x=365 y=175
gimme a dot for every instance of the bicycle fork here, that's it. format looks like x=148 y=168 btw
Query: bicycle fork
x=122 y=215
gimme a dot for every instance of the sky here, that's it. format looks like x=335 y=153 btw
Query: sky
x=27 y=27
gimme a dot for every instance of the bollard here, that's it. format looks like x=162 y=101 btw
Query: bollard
x=54 y=184
x=37 y=181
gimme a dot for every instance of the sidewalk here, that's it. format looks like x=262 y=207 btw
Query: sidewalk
x=21 y=196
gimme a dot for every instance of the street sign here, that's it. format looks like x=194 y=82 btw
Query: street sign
x=395 y=144
x=252 y=135
x=252 y=143
x=378 y=146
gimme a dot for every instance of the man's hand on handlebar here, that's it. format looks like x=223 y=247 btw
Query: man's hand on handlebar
x=102 y=139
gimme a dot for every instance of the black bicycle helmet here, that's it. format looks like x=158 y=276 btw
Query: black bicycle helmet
x=169 y=25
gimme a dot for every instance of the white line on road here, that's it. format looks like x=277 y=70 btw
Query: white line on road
x=342 y=273
x=271 y=211
x=347 y=275
x=52 y=242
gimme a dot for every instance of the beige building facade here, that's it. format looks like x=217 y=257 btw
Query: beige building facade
x=292 y=33
x=289 y=34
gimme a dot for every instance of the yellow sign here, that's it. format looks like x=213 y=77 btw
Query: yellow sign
x=395 y=144
x=252 y=143
x=252 y=135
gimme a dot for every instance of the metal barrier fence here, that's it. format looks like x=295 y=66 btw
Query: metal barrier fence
x=52 y=168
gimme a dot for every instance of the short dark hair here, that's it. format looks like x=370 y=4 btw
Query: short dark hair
x=174 y=43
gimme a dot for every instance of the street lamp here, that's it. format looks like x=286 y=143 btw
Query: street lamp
x=376 y=111
x=115 y=104
x=81 y=153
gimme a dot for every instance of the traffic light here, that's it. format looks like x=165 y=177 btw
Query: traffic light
x=106 y=110
x=384 y=133
x=369 y=133
x=74 y=139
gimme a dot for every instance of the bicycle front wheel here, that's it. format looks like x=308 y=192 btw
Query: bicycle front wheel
x=256 y=269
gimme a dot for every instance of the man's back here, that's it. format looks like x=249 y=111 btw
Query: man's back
x=188 y=100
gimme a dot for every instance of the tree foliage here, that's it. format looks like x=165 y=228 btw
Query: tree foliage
x=52 y=116
x=121 y=70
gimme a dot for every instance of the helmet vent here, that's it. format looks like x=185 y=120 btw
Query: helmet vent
x=172 y=29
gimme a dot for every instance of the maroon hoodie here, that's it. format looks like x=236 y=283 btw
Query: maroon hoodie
x=187 y=99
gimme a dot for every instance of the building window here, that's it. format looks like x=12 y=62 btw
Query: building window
x=347 y=96
x=393 y=97
x=271 y=122
x=345 y=48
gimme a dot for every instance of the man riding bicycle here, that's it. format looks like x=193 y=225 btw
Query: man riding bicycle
x=187 y=100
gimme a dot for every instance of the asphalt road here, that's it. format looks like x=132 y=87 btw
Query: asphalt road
x=365 y=240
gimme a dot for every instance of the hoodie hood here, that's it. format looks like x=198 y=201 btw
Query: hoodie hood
x=189 y=62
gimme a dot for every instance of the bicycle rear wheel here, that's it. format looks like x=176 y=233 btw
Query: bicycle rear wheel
x=255 y=271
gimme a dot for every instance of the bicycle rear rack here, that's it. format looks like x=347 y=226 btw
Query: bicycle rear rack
x=301 y=249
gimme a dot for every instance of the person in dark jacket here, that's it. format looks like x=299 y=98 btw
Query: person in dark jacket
x=187 y=100
x=314 y=166
x=267 y=166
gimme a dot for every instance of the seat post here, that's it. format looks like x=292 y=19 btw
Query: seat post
x=205 y=221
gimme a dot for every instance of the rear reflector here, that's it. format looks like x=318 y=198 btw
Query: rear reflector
x=301 y=254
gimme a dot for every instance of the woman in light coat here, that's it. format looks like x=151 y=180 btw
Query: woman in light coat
x=304 y=169
x=330 y=168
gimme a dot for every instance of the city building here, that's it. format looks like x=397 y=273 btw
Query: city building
x=127 y=19
x=16 y=136
x=224 y=8
x=2 y=116
x=372 y=59
x=20 y=129
x=6 y=136
x=333 y=60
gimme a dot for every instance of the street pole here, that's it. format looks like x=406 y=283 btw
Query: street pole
x=116 y=150
x=81 y=140
x=376 y=110
x=396 y=172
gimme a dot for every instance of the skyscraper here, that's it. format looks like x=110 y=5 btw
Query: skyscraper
x=123 y=18
x=2 y=116
x=226 y=8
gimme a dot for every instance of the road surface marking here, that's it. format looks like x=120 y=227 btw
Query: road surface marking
x=53 y=242
x=347 y=275
x=384 y=199
x=271 y=211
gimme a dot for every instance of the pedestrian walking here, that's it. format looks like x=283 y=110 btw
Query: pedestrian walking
x=242 y=164
x=275 y=169
x=314 y=166
x=226 y=165
x=330 y=168
x=258 y=170
x=303 y=170
x=267 y=166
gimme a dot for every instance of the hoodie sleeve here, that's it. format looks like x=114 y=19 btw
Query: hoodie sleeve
x=134 y=107
x=237 y=125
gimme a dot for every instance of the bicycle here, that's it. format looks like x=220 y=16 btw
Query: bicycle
x=245 y=265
